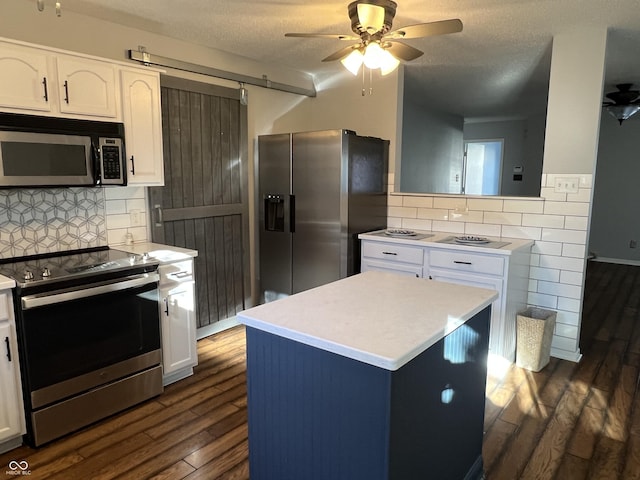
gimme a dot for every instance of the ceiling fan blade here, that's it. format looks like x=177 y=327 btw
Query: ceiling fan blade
x=343 y=52
x=442 y=27
x=403 y=51
x=333 y=36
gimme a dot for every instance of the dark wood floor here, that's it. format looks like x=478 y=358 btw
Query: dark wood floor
x=569 y=421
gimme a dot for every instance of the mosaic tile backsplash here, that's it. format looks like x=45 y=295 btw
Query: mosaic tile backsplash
x=38 y=220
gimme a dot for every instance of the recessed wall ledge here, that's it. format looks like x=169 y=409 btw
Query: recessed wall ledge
x=456 y=195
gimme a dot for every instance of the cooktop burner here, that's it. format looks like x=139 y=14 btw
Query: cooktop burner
x=51 y=268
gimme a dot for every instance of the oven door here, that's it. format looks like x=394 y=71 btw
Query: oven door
x=79 y=338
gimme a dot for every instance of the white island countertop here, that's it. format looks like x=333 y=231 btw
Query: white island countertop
x=379 y=318
x=162 y=253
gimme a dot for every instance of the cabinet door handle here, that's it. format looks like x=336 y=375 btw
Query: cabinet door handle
x=46 y=92
x=166 y=306
x=133 y=166
x=389 y=253
x=6 y=340
x=66 y=92
x=462 y=263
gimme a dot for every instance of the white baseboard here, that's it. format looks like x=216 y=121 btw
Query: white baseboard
x=566 y=355
x=219 y=326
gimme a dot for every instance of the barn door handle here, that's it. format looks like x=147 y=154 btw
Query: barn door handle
x=6 y=340
x=158 y=209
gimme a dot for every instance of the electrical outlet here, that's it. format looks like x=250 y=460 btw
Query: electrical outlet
x=566 y=184
x=632 y=244
x=135 y=218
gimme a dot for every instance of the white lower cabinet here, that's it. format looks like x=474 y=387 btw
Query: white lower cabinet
x=177 y=320
x=505 y=271
x=12 y=425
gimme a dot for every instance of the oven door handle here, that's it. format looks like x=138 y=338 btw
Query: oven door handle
x=39 y=300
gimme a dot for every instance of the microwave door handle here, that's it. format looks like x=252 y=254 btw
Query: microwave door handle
x=95 y=155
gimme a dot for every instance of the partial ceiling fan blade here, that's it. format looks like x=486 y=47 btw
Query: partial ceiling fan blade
x=343 y=52
x=420 y=30
x=332 y=36
x=403 y=51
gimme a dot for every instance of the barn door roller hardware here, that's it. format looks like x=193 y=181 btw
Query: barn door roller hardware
x=141 y=55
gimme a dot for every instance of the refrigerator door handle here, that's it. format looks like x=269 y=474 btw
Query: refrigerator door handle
x=292 y=213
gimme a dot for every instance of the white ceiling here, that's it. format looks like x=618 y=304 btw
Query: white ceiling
x=497 y=66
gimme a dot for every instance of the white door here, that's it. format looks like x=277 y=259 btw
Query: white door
x=178 y=328
x=482 y=167
x=11 y=411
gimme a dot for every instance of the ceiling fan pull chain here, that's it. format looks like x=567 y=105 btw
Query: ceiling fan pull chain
x=370 y=81
x=363 y=91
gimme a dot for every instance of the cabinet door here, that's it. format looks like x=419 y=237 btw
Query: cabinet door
x=24 y=81
x=87 y=87
x=11 y=411
x=178 y=328
x=480 y=281
x=143 y=127
x=382 y=266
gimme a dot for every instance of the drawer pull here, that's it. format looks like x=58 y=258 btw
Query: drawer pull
x=6 y=340
x=462 y=263
x=389 y=253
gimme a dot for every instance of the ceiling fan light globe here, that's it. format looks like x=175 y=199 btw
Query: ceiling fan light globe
x=353 y=61
x=373 y=56
x=389 y=63
x=371 y=17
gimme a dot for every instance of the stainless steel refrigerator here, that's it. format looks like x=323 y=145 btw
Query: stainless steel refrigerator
x=317 y=192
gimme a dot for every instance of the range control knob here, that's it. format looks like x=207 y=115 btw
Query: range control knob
x=46 y=273
x=28 y=275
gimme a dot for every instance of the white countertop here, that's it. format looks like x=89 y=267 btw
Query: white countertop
x=434 y=238
x=6 y=282
x=379 y=318
x=163 y=253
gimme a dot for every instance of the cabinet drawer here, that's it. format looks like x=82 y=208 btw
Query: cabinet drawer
x=393 y=252
x=467 y=262
x=393 y=267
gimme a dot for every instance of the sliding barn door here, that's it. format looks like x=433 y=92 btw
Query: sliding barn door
x=204 y=203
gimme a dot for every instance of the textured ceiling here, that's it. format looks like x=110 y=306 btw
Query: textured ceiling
x=497 y=66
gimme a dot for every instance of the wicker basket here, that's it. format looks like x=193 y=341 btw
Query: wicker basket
x=533 y=338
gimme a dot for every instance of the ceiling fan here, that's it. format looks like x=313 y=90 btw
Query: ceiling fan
x=625 y=102
x=378 y=45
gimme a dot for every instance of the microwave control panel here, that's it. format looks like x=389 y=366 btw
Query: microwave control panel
x=111 y=161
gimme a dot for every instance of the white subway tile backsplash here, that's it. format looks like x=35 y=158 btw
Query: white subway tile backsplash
x=549 y=194
x=542 y=300
x=395 y=222
x=408 y=212
x=524 y=206
x=502 y=218
x=422 y=202
x=571 y=278
x=469 y=216
x=579 y=209
x=432 y=214
x=449 y=203
x=552 y=221
x=565 y=236
x=136 y=204
x=559 y=289
x=572 y=250
x=416 y=224
x=532 y=233
x=563 y=330
x=562 y=263
x=586 y=180
x=547 y=248
x=485 y=204
x=124 y=193
x=115 y=206
x=546 y=274
x=118 y=221
x=583 y=195
x=564 y=343
x=449 y=227
x=483 y=229
x=568 y=318
x=569 y=304
x=576 y=223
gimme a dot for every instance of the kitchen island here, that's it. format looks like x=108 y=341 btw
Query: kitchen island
x=375 y=376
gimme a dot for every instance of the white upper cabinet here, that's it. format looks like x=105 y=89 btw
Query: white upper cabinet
x=143 y=128
x=87 y=87
x=25 y=82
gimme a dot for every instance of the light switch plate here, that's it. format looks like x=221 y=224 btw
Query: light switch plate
x=566 y=184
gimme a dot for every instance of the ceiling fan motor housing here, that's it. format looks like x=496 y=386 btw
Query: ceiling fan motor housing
x=389 y=12
x=625 y=95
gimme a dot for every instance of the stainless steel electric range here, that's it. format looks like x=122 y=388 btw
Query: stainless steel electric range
x=88 y=335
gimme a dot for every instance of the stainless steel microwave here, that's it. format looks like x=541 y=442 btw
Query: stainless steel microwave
x=47 y=151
